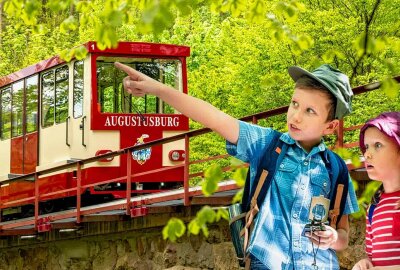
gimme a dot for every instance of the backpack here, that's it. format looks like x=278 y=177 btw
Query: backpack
x=375 y=200
x=242 y=215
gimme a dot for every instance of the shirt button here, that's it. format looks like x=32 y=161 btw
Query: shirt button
x=305 y=163
x=303 y=187
x=325 y=184
x=296 y=244
x=295 y=215
x=282 y=165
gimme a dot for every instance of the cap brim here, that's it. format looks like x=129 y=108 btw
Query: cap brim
x=297 y=72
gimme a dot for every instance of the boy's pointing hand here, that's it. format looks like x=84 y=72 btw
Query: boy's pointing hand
x=137 y=83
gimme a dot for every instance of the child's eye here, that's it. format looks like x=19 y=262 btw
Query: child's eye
x=378 y=145
x=309 y=110
x=294 y=103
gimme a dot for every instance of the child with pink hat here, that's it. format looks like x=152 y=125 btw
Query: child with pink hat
x=380 y=145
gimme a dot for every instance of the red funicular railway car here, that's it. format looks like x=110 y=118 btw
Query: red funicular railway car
x=55 y=112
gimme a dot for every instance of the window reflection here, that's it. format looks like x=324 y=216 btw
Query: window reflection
x=113 y=98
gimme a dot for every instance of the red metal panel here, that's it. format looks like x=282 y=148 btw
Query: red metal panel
x=142 y=48
x=28 y=71
x=17 y=158
x=30 y=152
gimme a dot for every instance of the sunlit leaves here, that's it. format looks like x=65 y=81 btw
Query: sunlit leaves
x=27 y=10
x=235 y=7
x=238 y=196
x=289 y=10
x=240 y=176
x=257 y=12
x=368 y=44
x=365 y=198
x=212 y=175
x=205 y=216
x=174 y=229
x=348 y=155
x=57 y=5
x=69 y=24
x=330 y=55
x=390 y=87
x=79 y=53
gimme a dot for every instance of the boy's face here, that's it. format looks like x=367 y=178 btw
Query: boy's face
x=307 y=117
x=382 y=157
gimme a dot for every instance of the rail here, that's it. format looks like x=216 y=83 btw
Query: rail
x=78 y=213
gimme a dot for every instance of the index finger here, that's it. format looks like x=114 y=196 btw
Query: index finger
x=134 y=74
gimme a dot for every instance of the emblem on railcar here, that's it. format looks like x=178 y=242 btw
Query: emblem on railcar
x=142 y=155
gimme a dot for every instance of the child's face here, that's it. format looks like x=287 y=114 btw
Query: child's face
x=382 y=156
x=307 y=117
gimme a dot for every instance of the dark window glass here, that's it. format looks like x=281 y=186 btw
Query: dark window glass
x=61 y=98
x=31 y=104
x=78 y=89
x=17 y=108
x=47 y=94
x=5 y=107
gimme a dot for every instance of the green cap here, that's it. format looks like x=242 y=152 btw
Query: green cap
x=334 y=80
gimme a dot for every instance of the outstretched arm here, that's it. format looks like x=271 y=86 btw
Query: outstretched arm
x=139 y=84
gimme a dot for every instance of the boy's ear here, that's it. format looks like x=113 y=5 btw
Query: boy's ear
x=331 y=127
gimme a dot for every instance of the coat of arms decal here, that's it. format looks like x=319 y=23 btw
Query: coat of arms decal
x=141 y=156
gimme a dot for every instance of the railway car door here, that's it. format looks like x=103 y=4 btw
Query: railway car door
x=24 y=135
x=54 y=91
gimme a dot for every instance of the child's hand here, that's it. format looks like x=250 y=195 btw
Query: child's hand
x=363 y=264
x=137 y=83
x=324 y=238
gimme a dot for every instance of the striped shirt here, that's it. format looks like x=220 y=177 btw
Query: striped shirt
x=383 y=234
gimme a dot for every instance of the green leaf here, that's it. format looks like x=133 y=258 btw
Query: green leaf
x=240 y=176
x=238 y=196
x=174 y=229
x=222 y=213
x=80 y=52
x=114 y=18
x=213 y=175
x=69 y=24
x=390 y=87
x=204 y=216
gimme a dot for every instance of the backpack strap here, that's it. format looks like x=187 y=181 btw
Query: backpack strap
x=268 y=161
x=339 y=175
x=371 y=210
x=374 y=202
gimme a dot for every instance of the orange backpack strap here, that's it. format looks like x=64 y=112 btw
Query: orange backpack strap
x=251 y=214
x=334 y=213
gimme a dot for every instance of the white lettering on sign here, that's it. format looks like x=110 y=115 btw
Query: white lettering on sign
x=137 y=121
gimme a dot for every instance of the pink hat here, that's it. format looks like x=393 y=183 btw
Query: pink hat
x=388 y=123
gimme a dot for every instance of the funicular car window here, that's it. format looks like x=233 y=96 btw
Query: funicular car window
x=17 y=108
x=47 y=94
x=5 y=108
x=61 y=99
x=31 y=104
x=78 y=89
x=112 y=97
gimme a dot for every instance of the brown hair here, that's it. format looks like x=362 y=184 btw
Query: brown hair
x=305 y=82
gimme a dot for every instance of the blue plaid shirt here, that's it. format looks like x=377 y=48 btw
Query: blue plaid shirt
x=278 y=240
